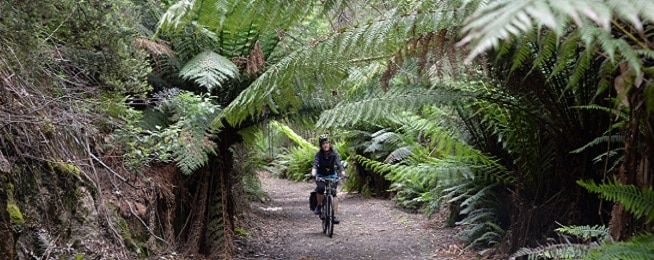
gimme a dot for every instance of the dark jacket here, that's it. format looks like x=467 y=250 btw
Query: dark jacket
x=327 y=163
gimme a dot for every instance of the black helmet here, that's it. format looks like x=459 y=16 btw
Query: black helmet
x=322 y=139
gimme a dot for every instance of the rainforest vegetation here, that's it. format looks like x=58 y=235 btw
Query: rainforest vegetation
x=137 y=128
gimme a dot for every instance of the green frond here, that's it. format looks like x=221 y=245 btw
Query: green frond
x=547 y=48
x=502 y=20
x=193 y=152
x=612 y=111
x=639 y=247
x=524 y=52
x=295 y=164
x=183 y=138
x=612 y=46
x=233 y=15
x=378 y=105
x=446 y=144
x=479 y=215
x=426 y=171
x=586 y=232
x=279 y=88
x=567 y=52
x=605 y=139
x=606 y=82
x=479 y=229
x=399 y=154
x=193 y=116
x=209 y=70
x=579 y=73
x=175 y=18
x=555 y=251
x=383 y=140
x=476 y=200
x=303 y=143
x=639 y=202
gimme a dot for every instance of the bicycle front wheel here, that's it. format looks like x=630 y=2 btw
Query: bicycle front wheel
x=324 y=216
x=330 y=216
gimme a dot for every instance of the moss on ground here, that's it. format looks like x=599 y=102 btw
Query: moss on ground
x=14 y=213
x=65 y=168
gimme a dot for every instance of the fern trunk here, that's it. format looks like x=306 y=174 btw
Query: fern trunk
x=220 y=216
x=636 y=169
x=208 y=228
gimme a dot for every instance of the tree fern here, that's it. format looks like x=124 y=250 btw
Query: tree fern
x=335 y=55
x=639 y=202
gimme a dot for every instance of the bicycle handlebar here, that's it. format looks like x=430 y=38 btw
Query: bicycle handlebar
x=337 y=179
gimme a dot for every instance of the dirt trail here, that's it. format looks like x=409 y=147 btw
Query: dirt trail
x=284 y=228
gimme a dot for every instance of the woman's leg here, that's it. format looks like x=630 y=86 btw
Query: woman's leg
x=320 y=194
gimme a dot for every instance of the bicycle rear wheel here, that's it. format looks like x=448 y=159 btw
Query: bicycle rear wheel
x=330 y=216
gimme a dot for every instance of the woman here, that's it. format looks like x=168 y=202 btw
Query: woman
x=325 y=163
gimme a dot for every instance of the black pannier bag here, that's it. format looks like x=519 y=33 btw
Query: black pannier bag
x=313 y=201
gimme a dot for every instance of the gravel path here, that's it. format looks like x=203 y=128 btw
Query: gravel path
x=283 y=227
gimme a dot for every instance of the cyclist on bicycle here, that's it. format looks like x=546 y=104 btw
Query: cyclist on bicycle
x=325 y=163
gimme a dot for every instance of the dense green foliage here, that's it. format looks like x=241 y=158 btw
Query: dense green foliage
x=492 y=111
x=175 y=131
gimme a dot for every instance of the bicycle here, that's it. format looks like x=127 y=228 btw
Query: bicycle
x=327 y=214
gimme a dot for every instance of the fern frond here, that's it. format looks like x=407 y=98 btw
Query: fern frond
x=600 y=140
x=639 y=202
x=611 y=111
x=474 y=201
x=303 y=143
x=383 y=141
x=639 y=247
x=446 y=144
x=175 y=17
x=193 y=151
x=380 y=105
x=295 y=164
x=209 y=70
x=429 y=172
x=555 y=251
x=501 y=20
x=233 y=15
x=586 y=232
x=399 y=154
